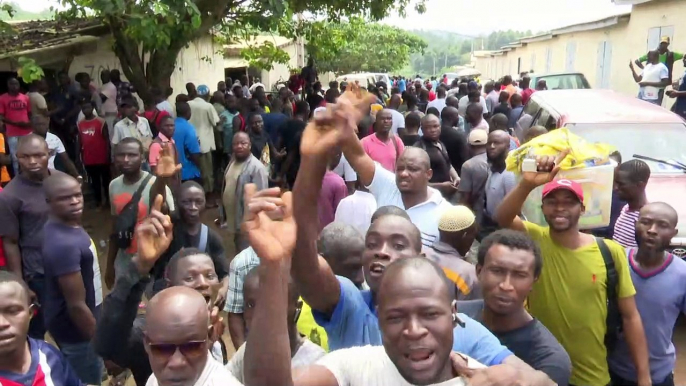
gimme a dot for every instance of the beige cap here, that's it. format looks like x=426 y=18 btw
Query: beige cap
x=478 y=137
x=456 y=218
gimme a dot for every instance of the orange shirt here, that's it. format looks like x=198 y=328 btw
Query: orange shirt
x=4 y=175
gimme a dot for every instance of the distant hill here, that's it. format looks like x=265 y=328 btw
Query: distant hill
x=23 y=15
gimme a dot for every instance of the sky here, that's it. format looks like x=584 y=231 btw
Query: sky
x=471 y=17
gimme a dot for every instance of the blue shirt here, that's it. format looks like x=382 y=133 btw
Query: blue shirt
x=48 y=367
x=354 y=322
x=187 y=143
x=402 y=85
x=272 y=122
x=660 y=298
x=66 y=250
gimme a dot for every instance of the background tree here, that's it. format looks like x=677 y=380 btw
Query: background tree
x=149 y=34
x=357 y=45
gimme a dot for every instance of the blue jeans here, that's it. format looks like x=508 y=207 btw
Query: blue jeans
x=12 y=143
x=88 y=366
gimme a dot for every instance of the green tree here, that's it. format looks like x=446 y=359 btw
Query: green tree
x=149 y=34
x=357 y=45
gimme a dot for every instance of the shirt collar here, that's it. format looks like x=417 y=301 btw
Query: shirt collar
x=163 y=137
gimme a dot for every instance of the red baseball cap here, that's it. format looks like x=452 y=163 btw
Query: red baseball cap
x=569 y=185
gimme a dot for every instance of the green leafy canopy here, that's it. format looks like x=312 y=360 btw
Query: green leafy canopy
x=149 y=34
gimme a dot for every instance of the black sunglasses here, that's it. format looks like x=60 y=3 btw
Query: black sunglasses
x=192 y=349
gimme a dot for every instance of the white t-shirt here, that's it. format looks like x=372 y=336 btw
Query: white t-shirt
x=109 y=106
x=166 y=106
x=346 y=171
x=398 y=121
x=464 y=102
x=371 y=366
x=308 y=354
x=653 y=73
x=357 y=210
x=204 y=118
x=214 y=374
x=438 y=103
x=425 y=215
x=55 y=146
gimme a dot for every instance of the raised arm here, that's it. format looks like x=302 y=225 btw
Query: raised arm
x=507 y=213
x=637 y=77
x=358 y=159
x=316 y=281
x=268 y=351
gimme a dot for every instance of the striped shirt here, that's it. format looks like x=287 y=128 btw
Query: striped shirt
x=625 y=228
x=239 y=268
x=48 y=368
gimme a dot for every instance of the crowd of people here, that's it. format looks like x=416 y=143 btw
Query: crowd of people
x=362 y=237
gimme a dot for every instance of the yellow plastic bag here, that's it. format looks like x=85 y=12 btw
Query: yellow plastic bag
x=581 y=153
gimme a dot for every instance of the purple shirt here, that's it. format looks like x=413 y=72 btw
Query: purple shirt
x=660 y=298
x=625 y=228
x=333 y=191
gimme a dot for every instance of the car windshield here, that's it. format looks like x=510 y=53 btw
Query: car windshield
x=662 y=141
x=566 y=82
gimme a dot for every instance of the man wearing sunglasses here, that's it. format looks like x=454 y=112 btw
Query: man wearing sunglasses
x=177 y=339
x=119 y=335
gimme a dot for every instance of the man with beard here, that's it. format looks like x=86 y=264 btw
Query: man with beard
x=509 y=263
x=574 y=294
x=499 y=182
x=119 y=334
x=348 y=314
x=658 y=277
x=415 y=308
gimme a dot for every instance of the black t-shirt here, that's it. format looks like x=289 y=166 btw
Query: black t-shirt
x=502 y=109
x=409 y=139
x=258 y=142
x=533 y=343
x=440 y=162
x=314 y=100
x=456 y=145
x=289 y=132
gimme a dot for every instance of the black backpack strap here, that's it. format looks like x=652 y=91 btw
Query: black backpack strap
x=614 y=319
x=137 y=195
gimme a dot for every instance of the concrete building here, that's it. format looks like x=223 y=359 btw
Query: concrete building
x=235 y=65
x=50 y=43
x=600 y=49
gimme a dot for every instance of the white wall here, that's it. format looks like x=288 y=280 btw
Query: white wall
x=199 y=63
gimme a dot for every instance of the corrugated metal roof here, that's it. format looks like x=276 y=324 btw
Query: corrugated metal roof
x=39 y=35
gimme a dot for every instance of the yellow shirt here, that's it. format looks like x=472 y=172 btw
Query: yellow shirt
x=308 y=327
x=570 y=299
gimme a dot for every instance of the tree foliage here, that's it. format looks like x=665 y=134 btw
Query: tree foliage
x=356 y=45
x=149 y=34
x=448 y=49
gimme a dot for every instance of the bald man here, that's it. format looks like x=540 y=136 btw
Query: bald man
x=177 y=341
x=23 y=212
x=533 y=132
x=73 y=288
x=500 y=122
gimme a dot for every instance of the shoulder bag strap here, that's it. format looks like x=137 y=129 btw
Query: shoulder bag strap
x=613 y=321
x=137 y=195
x=202 y=246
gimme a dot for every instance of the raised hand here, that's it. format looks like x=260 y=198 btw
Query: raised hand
x=269 y=223
x=547 y=169
x=166 y=167
x=153 y=237
x=325 y=132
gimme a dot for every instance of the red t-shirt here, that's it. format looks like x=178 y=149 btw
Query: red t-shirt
x=93 y=142
x=16 y=108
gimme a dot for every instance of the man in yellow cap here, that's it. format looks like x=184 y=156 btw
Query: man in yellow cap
x=667 y=57
x=457 y=230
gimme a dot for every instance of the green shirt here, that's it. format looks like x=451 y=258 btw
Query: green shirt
x=663 y=57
